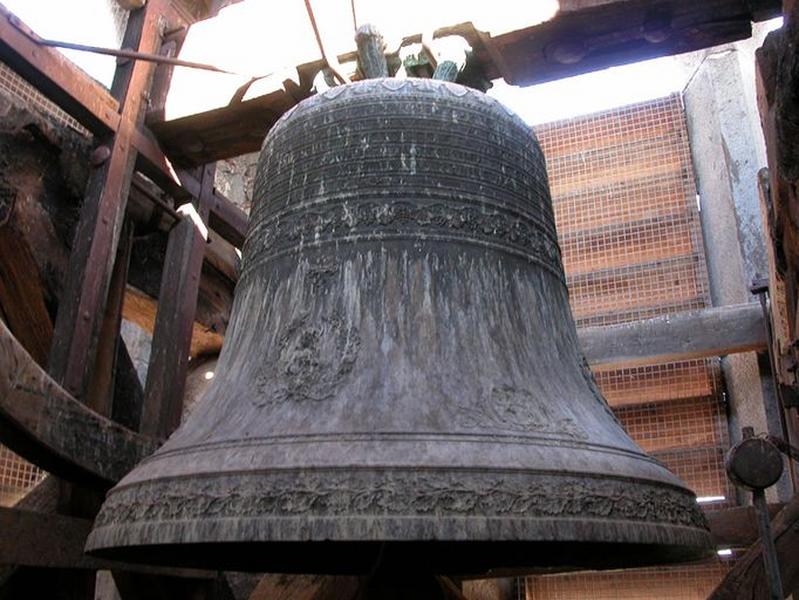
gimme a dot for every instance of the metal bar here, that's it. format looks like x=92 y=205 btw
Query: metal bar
x=772 y=566
x=130 y=54
x=760 y=288
x=331 y=60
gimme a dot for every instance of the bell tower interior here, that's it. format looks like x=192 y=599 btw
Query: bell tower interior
x=345 y=300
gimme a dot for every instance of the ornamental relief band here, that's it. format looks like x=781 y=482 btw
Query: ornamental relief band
x=403 y=494
x=371 y=220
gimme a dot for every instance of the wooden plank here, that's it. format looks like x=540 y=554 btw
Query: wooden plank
x=306 y=587
x=628 y=243
x=613 y=32
x=148 y=586
x=639 y=287
x=22 y=294
x=747 y=578
x=141 y=309
x=47 y=426
x=100 y=393
x=227 y=131
x=665 y=198
x=736 y=527
x=708 y=332
x=609 y=129
x=91 y=260
x=93 y=106
x=177 y=304
x=226 y=218
x=700 y=468
x=656 y=160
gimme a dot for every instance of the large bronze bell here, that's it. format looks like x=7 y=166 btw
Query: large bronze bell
x=401 y=381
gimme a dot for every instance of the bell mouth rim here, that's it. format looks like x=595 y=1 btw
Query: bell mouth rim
x=554 y=545
x=157 y=519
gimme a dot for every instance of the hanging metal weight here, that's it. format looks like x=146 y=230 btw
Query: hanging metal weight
x=755 y=464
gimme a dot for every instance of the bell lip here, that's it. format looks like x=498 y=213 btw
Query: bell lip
x=620 y=544
x=202 y=522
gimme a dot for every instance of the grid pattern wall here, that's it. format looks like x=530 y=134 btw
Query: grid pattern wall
x=692 y=582
x=17 y=88
x=625 y=206
x=659 y=383
x=16 y=477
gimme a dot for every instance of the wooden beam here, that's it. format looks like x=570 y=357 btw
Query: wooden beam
x=100 y=395
x=93 y=106
x=45 y=425
x=82 y=302
x=583 y=36
x=177 y=304
x=709 y=332
x=736 y=527
x=148 y=586
x=22 y=295
x=747 y=579
x=142 y=309
x=306 y=587
x=34 y=539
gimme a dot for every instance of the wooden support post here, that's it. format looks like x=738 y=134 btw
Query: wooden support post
x=22 y=294
x=80 y=312
x=163 y=76
x=177 y=303
x=101 y=386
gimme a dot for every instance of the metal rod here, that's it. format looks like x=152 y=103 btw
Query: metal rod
x=119 y=53
x=354 y=15
x=133 y=55
x=331 y=60
x=760 y=287
x=771 y=564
